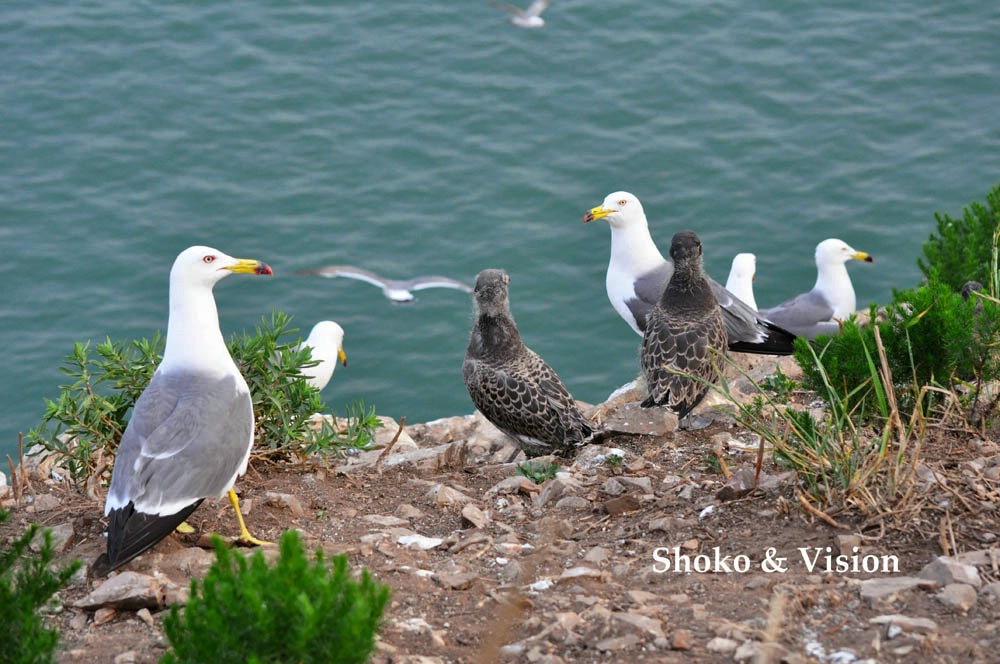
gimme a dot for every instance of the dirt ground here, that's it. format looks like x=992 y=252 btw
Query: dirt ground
x=571 y=570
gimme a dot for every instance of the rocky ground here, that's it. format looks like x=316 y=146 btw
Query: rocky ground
x=485 y=565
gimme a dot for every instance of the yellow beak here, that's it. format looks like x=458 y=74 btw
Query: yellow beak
x=862 y=256
x=249 y=266
x=599 y=212
x=342 y=356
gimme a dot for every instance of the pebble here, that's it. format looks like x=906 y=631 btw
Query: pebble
x=385 y=520
x=618 y=643
x=721 y=644
x=681 y=639
x=959 y=596
x=475 y=516
x=621 y=505
x=145 y=616
x=127 y=590
x=420 y=542
x=104 y=615
x=943 y=571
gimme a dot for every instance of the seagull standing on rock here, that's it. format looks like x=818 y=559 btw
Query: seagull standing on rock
x=511 y=385
x=638 y=274
x=832 y=299
x=191 y=429
x=683 y=332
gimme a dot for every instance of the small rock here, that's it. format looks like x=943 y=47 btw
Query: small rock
x=884 y=587
x=78 y=622
x=386 y=432
x=286 y=500
x=681 y=639
x=670 y=481
x=597 y=555
x=145 y=616
x=461 y=581
x=641 y=597
x=990 y=593
x=618 y=643
x=444 y=496
x=621 y=505
x=127 y=590
x=959 y=596
x=847 y=543
x=572 y=504
x=127 y=657
x=643 y=484
x=944 y=571
x=62 y=537
x=917 y=625
x=385 y=520
x=475 y=516
x=632 y=418
x=651 y=625
x=420 y=542
x=664 y=524
x=613 y=487
x=408 y=511
x=721 y=645
x=104 y=615
x=514 y=484
x=582 y=573
x=44 y=502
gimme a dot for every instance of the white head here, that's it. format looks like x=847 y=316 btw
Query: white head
x=621 y=210
x=741 y=276
x=326 y=342
x=838 y=252
x=200 y=266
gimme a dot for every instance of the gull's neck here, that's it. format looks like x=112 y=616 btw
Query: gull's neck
x=633 y=249
x=834 y=281
x=194 y=340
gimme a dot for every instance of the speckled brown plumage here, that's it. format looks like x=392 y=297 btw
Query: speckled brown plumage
x=511 y=385
x=680 y=331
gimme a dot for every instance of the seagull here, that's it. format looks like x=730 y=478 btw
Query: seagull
x=638 y=273
x=191 y=429
x=832 y=299
x=397 y=290
x=526 y=18
x=741 y=278
x=326 y=343
x=683 y=331
x=511 y=385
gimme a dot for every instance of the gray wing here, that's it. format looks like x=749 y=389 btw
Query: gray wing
x=672 y=345
x=536 y=8
x=648 y=289
x=351 y=272
x=510 y=8
x=420 y=283
x=806 y=315
x=187 y=438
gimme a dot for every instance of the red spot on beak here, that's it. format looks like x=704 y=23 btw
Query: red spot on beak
x=263 y=268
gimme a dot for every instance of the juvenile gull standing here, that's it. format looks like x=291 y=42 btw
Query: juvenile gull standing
x=397 y=290
x=741 y=276
x=511 y=385
x=326 y=344
x=191 y=429
x=832 y=299
x=638 y=273
x=683 y=333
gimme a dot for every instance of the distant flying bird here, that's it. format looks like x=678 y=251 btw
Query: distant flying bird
x=397 y=290
x=191 y=429
x=741 y=276
x=683 y=331
x=511 y=385
x=832 y=299
x=638 y=273
x=326 y=344
x=526 y=18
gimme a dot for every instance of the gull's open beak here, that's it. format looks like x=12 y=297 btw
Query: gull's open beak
x=249 y=266
x=342 y=356
x=599 y=212
x=862 y=256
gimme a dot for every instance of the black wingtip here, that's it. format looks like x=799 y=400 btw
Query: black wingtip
x=131 y=532
x=779 y=341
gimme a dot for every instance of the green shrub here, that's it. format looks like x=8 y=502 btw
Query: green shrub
x=90 y=414
x=246 y=611
x=931 y=337
x=537 y=471
x=27 y=581
x=962 y=249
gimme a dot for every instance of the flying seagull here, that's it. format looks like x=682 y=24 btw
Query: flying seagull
x=832 y=299
x=683 y=332
x=638 y=273
x=741 y=277
x=397 y=290
x=326 y=344
x=526 y=18
x=511 y=385
x=191 y=429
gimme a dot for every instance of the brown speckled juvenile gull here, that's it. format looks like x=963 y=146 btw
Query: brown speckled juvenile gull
x=191 y=429
x=511 y=385
x=681 y=332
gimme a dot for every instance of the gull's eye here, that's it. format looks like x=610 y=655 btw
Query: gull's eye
x=208 y=259
x=622 y=203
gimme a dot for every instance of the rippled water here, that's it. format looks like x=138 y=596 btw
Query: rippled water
x=434 y=138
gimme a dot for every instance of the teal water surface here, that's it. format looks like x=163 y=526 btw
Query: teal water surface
x=432 y=137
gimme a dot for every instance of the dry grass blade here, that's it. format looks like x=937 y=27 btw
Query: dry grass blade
x=388 y=448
